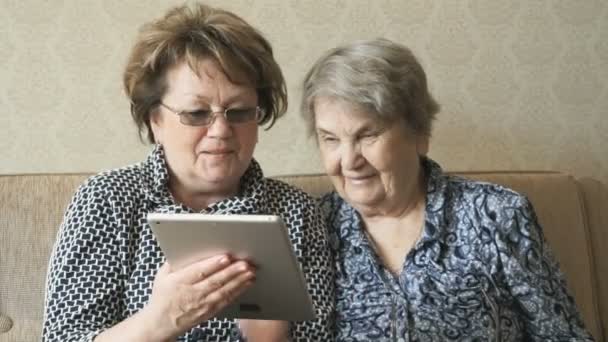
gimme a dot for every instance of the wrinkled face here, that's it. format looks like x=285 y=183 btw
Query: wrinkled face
x=205 y=159
x=371 y=164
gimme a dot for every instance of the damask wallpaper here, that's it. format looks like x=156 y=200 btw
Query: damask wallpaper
x=523 y=84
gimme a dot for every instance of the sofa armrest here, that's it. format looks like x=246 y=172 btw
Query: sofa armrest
x=595 y=199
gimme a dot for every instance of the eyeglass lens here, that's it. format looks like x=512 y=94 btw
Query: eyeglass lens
x=205 y=117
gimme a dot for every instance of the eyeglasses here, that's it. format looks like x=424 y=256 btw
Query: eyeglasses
x=207 y=117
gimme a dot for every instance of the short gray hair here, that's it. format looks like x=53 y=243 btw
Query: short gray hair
x=377 y=75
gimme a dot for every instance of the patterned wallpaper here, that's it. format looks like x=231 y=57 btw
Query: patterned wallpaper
x=522 y=84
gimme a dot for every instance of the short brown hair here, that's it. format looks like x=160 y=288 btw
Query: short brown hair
x=191 y=33
x=377 y=75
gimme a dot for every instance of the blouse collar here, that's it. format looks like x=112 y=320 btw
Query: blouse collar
x=435 y=217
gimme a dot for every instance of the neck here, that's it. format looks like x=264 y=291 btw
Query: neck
x=198 y=200
x=412 y=210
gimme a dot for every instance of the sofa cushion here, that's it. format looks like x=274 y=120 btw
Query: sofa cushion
x=32 y=206
x=31 y=209
x=595 y=197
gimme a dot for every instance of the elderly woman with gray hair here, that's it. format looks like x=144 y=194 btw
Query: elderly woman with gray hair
x=420 y=255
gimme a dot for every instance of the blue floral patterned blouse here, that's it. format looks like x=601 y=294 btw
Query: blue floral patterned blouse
x=481 y=271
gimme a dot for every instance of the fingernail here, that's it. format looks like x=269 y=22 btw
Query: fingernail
x=224 y=260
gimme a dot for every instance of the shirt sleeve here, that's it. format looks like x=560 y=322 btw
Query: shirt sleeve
x=317 y=267
x=534 y=279
x=84 y=276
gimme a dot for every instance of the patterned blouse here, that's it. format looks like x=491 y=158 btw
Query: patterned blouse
x=481 y=271
x=105 y=257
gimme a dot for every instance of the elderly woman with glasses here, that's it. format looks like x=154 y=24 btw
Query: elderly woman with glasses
x=421 y=255
x=200 y=81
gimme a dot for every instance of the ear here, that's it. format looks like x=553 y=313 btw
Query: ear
x=422 y=145
x=156 y=124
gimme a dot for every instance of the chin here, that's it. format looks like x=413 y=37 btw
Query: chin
x=214 y=172
x=218 y=178
x=365 y=202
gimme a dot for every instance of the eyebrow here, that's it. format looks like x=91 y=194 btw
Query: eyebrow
x=229 y=100
x=322 y=131
x=364 y=128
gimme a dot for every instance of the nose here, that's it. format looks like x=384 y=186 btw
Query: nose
x=351 y=157
x=219 y=126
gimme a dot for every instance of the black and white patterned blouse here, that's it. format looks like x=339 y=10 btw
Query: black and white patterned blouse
x=105 y=257
x=481 y=271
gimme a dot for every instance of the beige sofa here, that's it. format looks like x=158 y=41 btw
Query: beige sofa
x=574 y=214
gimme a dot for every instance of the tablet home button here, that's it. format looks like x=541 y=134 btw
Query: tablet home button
x=249 y=307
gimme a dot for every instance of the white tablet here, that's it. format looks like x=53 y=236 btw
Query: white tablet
x=279 y=292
